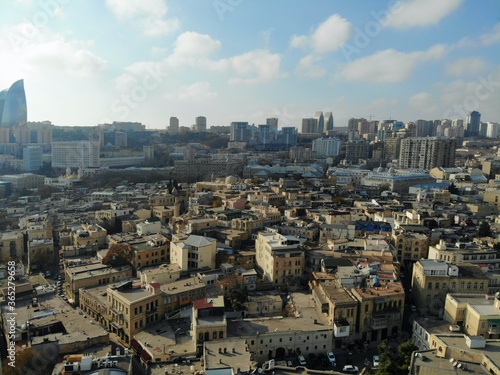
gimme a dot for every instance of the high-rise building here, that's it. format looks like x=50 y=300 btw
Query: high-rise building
x=121 y=140
x=427 y=152
x=13 y=109
x=321 y=122
x=356 y=150
x=32 y=158
x=174 y=125
x=273 y=121
x=75 y=154
x=472 y=124
x=310 y=126
x=327 y=146
x=22 y=134
x=239 y=132
x=200 y=125
x=328 y=122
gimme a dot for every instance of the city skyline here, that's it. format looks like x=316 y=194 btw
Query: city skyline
x=405 y=60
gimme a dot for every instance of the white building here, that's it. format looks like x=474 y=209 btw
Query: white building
x=327 y=146
x=193 y=252
x=75 y=154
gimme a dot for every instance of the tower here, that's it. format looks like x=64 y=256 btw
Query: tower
x=13 y=110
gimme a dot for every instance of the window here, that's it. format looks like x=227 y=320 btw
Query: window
x=468 y=285
x=437 y=285
x=429 y=286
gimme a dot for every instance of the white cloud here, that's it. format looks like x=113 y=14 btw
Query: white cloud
x=148 y=15
x=44 y=51
x=308 y=67
x=329 y=36
x=491 y=38
x=196 y=91
x=194 y=44
x=389 y=65
x=255 y=66
x=472 y=66
x=299 y=41
x=419 y=13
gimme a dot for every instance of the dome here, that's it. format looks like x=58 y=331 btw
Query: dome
x=231 y=180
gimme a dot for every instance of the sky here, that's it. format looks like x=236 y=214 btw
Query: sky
x=91 y=62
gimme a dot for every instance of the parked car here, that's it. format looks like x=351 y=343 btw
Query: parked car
x=376 y=360
x=331 y=358
x=413 y=308
x=302 y=360
x=350 y=369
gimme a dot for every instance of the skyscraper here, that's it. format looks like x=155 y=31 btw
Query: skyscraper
x=13 y=110
x=174 y=125
x=200 y=125
x=427 y=152
x=328 y=122
x=321 y=122
x=273 y=121
x=472 y=124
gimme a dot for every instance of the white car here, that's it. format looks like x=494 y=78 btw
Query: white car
x=376 y=360
x=331 y=357
x=350 y=369
x=302 y=360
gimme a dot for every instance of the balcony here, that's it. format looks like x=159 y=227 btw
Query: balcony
x=493 y=327
x=150 y=311
x=379 y=322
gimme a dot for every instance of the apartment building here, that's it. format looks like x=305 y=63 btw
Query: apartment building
x=88 y=275
x=279 y=257
x=340 y=308
x=476 y=314
x=162 y=274
x=380 y=309
x=432 y=279
x=41 y=255
x=148 y=250
x=11 y=245
x=209 y=320
x=410 y=246
x=193 y=252
x=126 y=308
x=470 y=252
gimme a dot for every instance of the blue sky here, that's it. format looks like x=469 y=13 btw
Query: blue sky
x=89 y=62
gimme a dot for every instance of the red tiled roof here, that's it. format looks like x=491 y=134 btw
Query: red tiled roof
x=202 y=304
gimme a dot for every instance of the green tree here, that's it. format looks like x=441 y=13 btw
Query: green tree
x=395 y=362
x=484 y=230
x=453 y=188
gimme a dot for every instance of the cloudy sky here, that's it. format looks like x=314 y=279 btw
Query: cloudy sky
x=89 y=62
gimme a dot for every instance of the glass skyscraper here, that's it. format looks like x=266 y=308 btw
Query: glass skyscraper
x=13 y=110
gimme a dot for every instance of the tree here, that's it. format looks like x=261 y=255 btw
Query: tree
x=234 y=291
x=453 y=188
x=395 y=363
x=484 y=230
x=119 y=255
x=29 y=361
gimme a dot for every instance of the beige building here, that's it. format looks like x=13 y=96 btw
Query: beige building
x=432 y=279
x=260 y=305
x=476 y=314
x=148 y=250
x=88 y=275
x=41 y=256
x=460 y=252
x=162 y=274
x=410 y=246
x=340 y=308
x=209 y=320
x=127 y=309
x=380 y=310
x=280 y=258
x=193 y=252
x=11 y=245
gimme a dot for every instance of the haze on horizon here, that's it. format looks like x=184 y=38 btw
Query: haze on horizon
x=232 y=60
